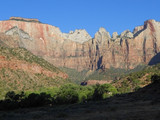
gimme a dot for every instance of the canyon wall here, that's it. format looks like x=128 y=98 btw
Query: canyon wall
x=79 y=51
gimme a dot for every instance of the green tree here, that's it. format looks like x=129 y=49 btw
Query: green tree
x=67 y=94
x=104 y=91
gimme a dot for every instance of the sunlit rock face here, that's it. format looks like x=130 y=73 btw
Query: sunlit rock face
x=79 y=51
x=79 y=36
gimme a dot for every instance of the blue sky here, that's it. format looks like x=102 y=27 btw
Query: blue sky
x=113 y=15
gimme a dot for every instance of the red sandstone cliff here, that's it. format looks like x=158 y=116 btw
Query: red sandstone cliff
x=79 y=51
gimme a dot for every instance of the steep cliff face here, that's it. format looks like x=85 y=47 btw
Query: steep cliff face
x=79 y=51
x=128 y=49
x=50 y=43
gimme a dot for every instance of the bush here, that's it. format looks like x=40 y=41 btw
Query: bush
x=67 y=94
x=12 y=100
x=12 y=96
x=104 y=91
x=35 y=100
x=82 y=97
x=85 y=93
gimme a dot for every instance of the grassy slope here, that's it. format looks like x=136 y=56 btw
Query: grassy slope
x=112 y=73
x=136 y=80
x=74 y=75
x=108 y=74
x=124 y=80
x=21 y=80
x=24 y=55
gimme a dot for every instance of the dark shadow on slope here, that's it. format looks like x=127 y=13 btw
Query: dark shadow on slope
x=99 y=63
x=147 y=93
x=138 y=32
x=155 y=59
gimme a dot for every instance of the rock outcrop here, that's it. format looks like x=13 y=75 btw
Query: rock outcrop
x=79 y=51
x=114 y=35
x=24 y=19
x=79 y=36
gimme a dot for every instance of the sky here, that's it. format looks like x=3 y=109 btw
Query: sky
x=113 y=15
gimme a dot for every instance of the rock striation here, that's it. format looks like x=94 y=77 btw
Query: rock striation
x=79 y=51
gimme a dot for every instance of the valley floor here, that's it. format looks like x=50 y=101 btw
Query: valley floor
x=115 y=108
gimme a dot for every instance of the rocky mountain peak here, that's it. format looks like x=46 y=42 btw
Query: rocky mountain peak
x=79 y=36
x=114 y=35
x=151 y=24
x=67 y=50
x=103 y=31
x=102 y=34
x=127 y=34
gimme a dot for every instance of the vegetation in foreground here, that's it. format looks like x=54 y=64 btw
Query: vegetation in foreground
x=143 y=104
x=72 y=93
x=66 y=94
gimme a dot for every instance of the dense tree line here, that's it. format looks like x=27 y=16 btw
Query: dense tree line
x=66 y=94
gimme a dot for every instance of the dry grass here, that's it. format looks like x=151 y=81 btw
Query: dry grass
x=112 y=109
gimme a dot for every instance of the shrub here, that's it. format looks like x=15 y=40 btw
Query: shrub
x=12 y=96
x=104 y=91
x=85 y=93
x=67 y=94
x=82 y=97
x=35 y=100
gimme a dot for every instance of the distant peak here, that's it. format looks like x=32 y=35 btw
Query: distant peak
x=150 y=20
x=79 y=35
x=114 y=35
x=24 y=19
x=102 y=29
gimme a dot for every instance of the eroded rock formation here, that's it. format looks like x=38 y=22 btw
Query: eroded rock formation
x=79 y=51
